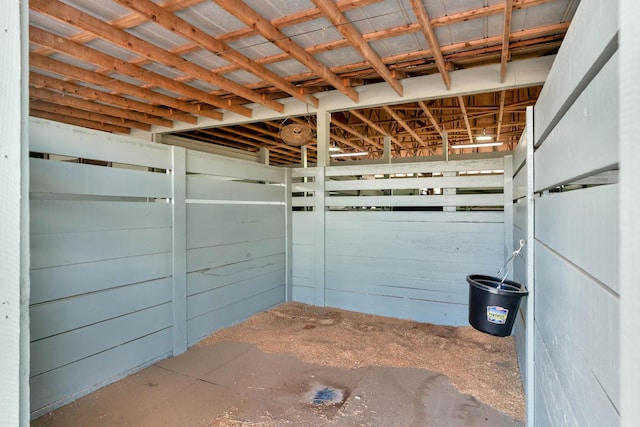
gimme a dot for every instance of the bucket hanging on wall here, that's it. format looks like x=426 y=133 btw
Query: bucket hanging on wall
x=494 y=302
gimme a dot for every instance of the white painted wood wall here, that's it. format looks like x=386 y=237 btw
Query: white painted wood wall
x=14 y=217
x=577 y=286
x=403 y=263
x=133 y=263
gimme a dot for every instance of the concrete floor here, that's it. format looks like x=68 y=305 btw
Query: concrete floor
x=235 y=384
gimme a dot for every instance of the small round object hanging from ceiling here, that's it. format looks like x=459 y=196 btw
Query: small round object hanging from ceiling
x=296 y=134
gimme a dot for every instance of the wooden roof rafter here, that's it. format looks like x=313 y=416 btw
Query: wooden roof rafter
x=508 y=9
x=172 y=22
x=252 y=19
x=355 y=39
x=423 y=18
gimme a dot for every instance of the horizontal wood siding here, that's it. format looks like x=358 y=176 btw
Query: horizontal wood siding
x=235 y=240
x=576 y=232
x=100 y=262
x=303 y=273
x=134 y=259
x=410 y=264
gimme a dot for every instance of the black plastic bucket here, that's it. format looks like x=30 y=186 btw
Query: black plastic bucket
x=493 y=305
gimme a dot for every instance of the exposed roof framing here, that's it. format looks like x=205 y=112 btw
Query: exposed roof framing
x=138 y=66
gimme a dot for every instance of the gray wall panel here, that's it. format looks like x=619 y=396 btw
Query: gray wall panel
x=71 y=178
x=77 y=344
x=53 y=283
x=50 y=250
x=59 y=316
x=233 y=313
x=69 y=382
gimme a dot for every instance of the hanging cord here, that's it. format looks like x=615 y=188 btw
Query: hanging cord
x=515 y=254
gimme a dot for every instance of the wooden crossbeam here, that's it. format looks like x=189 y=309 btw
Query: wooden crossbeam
x=90 y=124
x=500 y=113
x=375 y=126
x=252 y=19
x=87 y=54
x=73 y=72
x=432 y=119
x=423 y=18
x=466 y=117
x=508 y=8
x=355 y=133
x=125 y=111
x=404 y=124
x=355 y=39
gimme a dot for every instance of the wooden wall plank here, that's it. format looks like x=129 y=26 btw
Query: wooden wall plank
x=466 y=181
x=207 y=280
x=69 y=347
x=421 y=167
x=520 y=155
x=588 y=42
x=202 y=231
x=520 y=183
x=14 y=214
x=59 y=282
x=216 y=256
x=233 y=313
x=584 y=142
x=50 y=250
x=214 y=299
x=72 y=313
x=553 y=406
x=438 y=200
x=583 y=349
x=179 y=250
x=582 y=226
x=64 y=216
x=629 y=203
x=211 y=164
x=209 y=188
x=48 y=176
x=46 y=136
x=69 y=382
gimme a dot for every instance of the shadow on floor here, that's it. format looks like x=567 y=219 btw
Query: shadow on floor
x=236 y=384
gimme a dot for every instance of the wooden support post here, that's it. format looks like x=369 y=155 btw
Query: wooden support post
x=263 y=156
x=14 y=216
x=508 y=209
x=449 y=192
x=530 y=300
x=445 y=145
x=319 y=231
x=288 y=215
x=179 y=249
x=323 y=137
x=629 y=93
x=386 y=156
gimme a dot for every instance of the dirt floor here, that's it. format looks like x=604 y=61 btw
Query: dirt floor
x=271 y=370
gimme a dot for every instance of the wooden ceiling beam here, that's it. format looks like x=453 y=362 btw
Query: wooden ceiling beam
x=375 y=126
x=103 y=30
x=404 y=124
x=297 y=18
x=73 y=72
x=126 y=111
x=355 y=39
x=204 y=40
x=67 y=111
x=87 y=54
x=355 y=133
x=466 y=117
x=500 y=113
x=508 y=8
x=252 y=19
x=65 y=99
x=224 y=133
x=90 y=124
x=430 y=116
x=423 y=18
x=478 y=47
